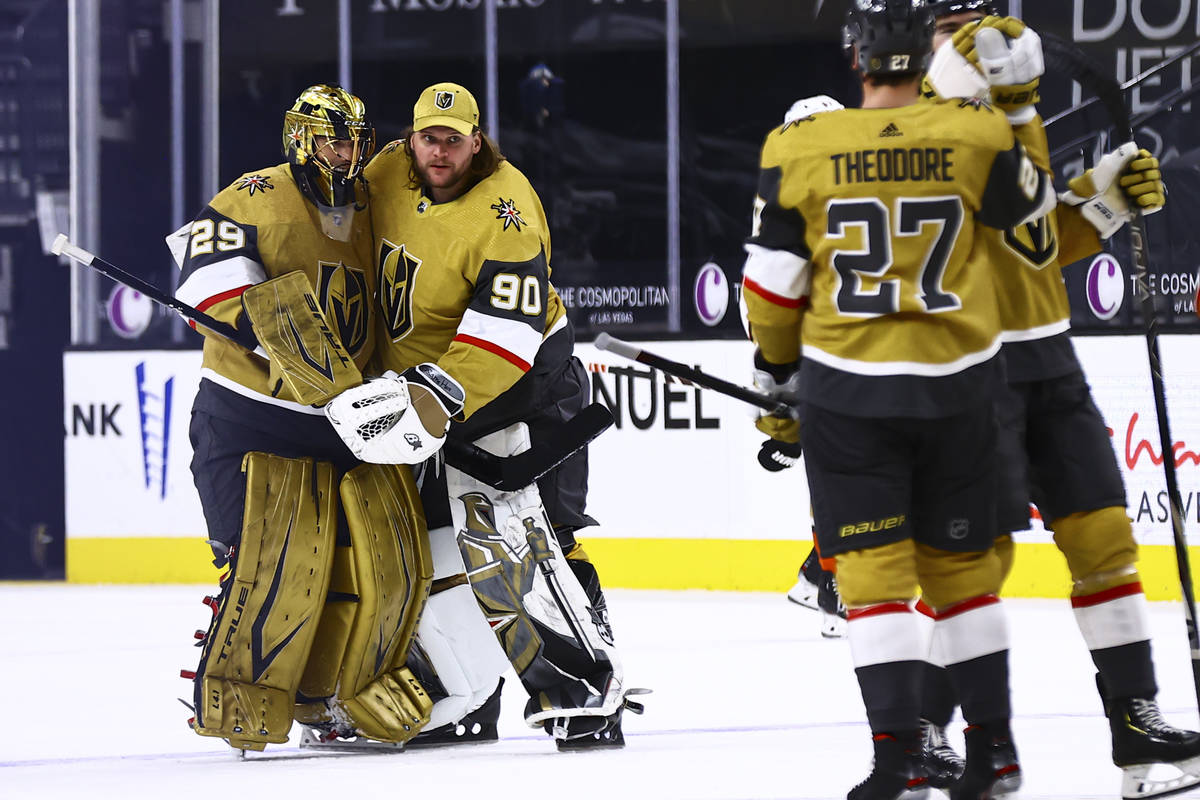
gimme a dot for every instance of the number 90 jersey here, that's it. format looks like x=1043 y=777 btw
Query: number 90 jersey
x=464 y=284
x=258 y=228
x=864 y=249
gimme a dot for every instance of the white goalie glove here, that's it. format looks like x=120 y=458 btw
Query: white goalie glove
x=397 y=419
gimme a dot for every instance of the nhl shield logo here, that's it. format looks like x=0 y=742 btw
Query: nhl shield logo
x=443 y=100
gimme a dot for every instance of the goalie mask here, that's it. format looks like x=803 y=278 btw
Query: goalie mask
x=893 y=37
x=327 y=139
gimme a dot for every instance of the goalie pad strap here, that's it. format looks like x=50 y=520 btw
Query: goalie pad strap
x=307 y=359
x=380 y=584
x=260 y=637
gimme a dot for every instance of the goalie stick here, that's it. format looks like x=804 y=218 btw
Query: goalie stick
x=508 y=474
x=754 y=397
x=1071 y=61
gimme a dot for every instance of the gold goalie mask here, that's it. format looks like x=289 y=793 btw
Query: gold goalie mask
x=328 y=139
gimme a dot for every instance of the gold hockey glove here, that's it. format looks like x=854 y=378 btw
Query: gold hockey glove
x=1108 y=192
x=1009 y=55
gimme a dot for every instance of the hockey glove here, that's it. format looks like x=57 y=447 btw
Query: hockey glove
x=397 y=419
x=782 y=382
x=776 y=456
x=1009 y=55
x=1122 y=182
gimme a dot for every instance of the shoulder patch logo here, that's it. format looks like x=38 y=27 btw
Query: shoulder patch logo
x=444 y=100
x=255 y=183
x=891 y=130
x=976 y=103
x=507 y=211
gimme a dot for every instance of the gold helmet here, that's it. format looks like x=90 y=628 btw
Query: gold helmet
x=327 y=139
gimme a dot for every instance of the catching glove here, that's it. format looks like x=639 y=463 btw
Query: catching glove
x=397 y=419
x=1009 y=55
x=1122 y=183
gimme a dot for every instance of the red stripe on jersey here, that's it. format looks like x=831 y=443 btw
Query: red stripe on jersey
x=876 y=610
x=967 y=605
x=492 y=347
x=771 y=297
x=923 y=608
x=1087 y=600
x=216 y=298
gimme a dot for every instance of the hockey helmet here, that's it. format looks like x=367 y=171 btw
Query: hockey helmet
x=944 y=8
x=321 y=121
x=893 y=37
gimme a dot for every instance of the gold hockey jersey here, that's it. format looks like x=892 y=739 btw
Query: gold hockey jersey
x=258 y=228
x=865 y=242
x=464 y=284
x=1027 y=264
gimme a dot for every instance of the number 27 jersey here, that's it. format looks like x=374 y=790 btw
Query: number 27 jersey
x=868 y=218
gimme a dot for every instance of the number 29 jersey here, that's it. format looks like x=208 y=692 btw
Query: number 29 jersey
x=864 y=249
x=465 y=283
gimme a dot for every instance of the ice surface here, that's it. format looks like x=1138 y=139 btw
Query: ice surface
x=749 y=702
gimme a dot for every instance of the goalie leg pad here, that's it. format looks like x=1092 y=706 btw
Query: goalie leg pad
x=306 y=355
x=261 y=635
x=381 y=583
x=457 y=641
x=555 y=639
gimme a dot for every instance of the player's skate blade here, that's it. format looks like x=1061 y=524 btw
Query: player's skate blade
x=1146 y=780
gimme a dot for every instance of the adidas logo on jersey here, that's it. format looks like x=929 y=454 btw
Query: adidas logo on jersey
x=891 y=130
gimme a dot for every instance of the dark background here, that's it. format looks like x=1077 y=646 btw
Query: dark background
x=593 y=143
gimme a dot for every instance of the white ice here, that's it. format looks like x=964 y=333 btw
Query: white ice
x=748 y=702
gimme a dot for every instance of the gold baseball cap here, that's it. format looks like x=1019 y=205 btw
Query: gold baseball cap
x=446 y=104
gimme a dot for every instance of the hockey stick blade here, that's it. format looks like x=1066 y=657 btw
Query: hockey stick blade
x=632 y=352
x=493 y=470
x=1067 y=58
x=512 y=473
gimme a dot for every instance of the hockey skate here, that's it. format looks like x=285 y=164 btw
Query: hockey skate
x=897 y=773
x=478 y=727
x=992 y=771
x=808 y=581
x=1142 y=740
x=943 y=766
x=833 y=613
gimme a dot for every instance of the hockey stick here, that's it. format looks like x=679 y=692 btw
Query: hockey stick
x=1079 y=67
x=747 y=395
x=504 y=473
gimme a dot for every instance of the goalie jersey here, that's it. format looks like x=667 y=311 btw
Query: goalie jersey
x=466 y=283
x=258 y=228
x=865 y=248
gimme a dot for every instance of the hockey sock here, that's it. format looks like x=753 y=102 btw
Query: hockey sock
x=1114 y=627
x=938 y=699
x=888 y=648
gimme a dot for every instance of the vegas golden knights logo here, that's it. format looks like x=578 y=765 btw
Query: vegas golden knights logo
x=398 y=269
x=443 y=100
x=342 y=291
x=1035 y=241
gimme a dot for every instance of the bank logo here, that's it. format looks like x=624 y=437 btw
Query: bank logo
x=711 y=294
x=154 y=424
x=1105 y=286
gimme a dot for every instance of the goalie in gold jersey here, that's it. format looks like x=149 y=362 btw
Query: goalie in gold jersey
x=330 y=565
x=463 y=251
x=871 y=305
x=1055 y=448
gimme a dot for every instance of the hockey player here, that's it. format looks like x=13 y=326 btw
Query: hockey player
x=861 y=276
x=1055 y=447
x=320 y=605
x=463 y=252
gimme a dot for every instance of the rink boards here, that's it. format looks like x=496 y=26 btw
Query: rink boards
x=681 y=499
